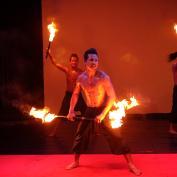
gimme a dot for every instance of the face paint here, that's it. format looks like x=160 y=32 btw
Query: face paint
x=92 y=61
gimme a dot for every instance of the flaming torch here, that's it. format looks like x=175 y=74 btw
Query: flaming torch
x=175 y=28
x=46 y=117
x=42 y=114
x=52 y=30
x=116 y=115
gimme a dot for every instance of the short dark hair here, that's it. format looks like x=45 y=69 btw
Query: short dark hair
x=172 y=56
x=89 y=51
x=74 y=55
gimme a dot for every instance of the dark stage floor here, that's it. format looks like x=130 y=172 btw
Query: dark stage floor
x=145 y=134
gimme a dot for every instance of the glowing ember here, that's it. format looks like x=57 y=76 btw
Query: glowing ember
x=116 y=116
x=42 y=114
x=52 y=29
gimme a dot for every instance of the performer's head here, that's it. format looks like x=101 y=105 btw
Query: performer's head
x=91 y=58
x=74 y=60
x=172 y=56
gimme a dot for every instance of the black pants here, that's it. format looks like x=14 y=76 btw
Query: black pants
x=173 y=117
x=80 y=106
x=85 y=132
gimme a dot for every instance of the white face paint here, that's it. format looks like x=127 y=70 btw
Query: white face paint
x=92 y=61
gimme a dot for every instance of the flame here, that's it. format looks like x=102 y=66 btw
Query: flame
x=42 y=114
x=175 y=27
x=52 y=30
x=116 y=116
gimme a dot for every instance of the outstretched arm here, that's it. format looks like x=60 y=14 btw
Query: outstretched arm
x=58 y=65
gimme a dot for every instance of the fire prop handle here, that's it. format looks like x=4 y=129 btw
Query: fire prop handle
x=77 y=117
x=47 y=53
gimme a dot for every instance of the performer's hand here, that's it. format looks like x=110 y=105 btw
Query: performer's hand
x=48 y=52
x=99 y=118
x=71 y=116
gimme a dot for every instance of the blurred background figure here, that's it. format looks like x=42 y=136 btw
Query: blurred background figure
x=71 y=72
x=173 y=117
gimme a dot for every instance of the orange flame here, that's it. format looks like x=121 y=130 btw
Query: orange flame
x=42 y=114
x=116 y=116
x=52 y=30
x=175 y=27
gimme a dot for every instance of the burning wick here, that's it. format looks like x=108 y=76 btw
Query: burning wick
x=175 y=27
x=52 y=30
x=42 y=114
x=116 y=116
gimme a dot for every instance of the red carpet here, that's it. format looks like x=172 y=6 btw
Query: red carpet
x=152 y=165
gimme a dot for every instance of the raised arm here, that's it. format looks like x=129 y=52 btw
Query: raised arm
x=58 y=65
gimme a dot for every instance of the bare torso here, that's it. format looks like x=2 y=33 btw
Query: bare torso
x=174 y=68
x=71 y=73
x=71 y=77
x=93 y=88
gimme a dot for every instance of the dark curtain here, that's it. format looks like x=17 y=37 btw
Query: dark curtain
x=21 y=57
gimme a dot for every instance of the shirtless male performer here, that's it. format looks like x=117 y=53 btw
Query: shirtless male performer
x=71 y=72
x=173 y=117
x=96 y=86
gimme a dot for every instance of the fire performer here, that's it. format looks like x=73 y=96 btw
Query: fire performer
x=173 y=117
x=71 y=72
x=100 y=96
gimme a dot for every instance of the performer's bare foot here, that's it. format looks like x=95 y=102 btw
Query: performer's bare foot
x=72 y=165
x=134 y=169
x=172 y=131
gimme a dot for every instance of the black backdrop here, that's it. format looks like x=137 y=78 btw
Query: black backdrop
x=21 y=56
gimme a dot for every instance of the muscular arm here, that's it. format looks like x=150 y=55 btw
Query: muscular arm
x=110 y=100
x=59 y=66
x=73 y=101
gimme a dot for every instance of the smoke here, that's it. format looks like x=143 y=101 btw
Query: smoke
x=12 y=95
